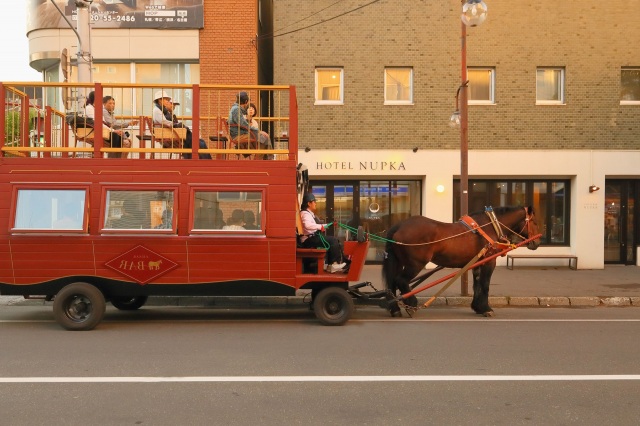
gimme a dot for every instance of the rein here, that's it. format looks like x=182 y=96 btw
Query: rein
x=528 y=218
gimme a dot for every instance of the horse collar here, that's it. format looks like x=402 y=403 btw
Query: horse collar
x=473 y=226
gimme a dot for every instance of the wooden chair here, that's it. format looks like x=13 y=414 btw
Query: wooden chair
x=170 y=137
x=87 y=134
x=244 y=141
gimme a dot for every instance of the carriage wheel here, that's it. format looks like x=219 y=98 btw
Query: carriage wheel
x=333 y=306
x=129 y=303
x=79 y=306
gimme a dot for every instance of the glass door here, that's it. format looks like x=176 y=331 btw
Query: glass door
x=335 y=204
x=619 y=218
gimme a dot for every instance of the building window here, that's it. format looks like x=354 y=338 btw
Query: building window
x=50 y=210
x=329 y=86
x=550 y=86
x=231 y=211
x=398 y=86
x=549 y=198
x=139 y=210
x=630 y=86
x=481 y=85
x=132 y=102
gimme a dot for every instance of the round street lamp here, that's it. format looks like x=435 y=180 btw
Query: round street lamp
x=474 y=12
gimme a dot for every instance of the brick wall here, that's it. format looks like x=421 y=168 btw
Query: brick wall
x=227 y=48
x=591 y=41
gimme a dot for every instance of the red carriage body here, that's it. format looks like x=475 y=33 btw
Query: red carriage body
x=63 y=236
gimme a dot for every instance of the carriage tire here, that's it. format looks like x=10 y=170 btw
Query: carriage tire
x=129 y=303
x=79 y=307
x=333 y=306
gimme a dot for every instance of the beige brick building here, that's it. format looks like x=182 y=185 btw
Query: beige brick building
x=554 y=108
x=555 y=103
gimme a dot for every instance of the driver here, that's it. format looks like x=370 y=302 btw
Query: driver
x=310 y=238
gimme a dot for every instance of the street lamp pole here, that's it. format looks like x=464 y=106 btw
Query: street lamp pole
x=474 y=12
x=464 y=141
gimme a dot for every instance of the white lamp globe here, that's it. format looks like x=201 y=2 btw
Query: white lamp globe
x=474 y=12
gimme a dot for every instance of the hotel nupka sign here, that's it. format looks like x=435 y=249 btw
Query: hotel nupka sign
x=161 y=14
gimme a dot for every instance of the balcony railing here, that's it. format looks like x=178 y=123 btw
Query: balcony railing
x=46 y=120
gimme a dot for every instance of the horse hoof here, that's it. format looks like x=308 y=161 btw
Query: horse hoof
x=395 y=311
x=488 y=314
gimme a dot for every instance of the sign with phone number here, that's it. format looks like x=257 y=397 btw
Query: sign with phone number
x=161 y=14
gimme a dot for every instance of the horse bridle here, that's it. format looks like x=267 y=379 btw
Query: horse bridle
x=527 y=224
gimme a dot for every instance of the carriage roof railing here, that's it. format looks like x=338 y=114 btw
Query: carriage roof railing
x=33 y=124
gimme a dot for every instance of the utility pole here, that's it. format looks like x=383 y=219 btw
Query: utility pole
x=85 y=60
x=83 y=33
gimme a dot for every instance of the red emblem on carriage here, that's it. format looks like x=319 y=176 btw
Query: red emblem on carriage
x=141 y=264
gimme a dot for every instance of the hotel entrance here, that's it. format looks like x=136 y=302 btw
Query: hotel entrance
x=621 y=226
x=376 y=205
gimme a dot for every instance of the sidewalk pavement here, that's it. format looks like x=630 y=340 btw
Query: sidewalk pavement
x=615 y=285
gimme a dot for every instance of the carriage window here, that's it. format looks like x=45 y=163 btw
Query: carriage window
x=50 y=209
x=549 y=198
x=236 y=211
x=135 y=210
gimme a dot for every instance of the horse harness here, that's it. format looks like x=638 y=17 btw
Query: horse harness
x=501 y=242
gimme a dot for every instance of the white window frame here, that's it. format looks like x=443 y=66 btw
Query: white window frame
x=628 y=102
x=340 y=101
x=560 y=101
x=399 y=102
x=492 y=87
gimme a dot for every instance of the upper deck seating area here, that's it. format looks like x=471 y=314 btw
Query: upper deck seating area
x=40 y=121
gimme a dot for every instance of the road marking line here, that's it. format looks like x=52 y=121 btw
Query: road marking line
x=301 y=320
x=254 y=379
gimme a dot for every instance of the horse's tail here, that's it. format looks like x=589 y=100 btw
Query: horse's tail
x=390 y=265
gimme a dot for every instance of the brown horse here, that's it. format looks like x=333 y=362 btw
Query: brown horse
x=419 y=240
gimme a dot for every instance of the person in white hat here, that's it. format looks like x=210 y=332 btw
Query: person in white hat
x=163 y=116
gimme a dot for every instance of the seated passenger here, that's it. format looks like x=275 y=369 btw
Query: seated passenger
x=90 y=112
x=239 y=126
x=310 y=238
x=250 y=220
x=163 y=116
x=131 y=217
x=116 y=126
x=235 y=222
x=264 y=136
x=167 y=217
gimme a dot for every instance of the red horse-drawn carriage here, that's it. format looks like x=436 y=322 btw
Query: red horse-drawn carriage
x=82 y=229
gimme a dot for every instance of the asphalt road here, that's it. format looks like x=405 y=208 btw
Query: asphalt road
x=195 y=366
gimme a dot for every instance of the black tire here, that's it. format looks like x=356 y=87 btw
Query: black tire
x=79 y=307
x=129 y=303
x=333 y=306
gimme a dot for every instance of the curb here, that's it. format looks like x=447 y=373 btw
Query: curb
x=302 y=301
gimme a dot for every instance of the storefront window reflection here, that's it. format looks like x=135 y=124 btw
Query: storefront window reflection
x=376 y=205
x=550 y=200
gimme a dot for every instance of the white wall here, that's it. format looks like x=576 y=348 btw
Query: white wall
x=434 y=168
